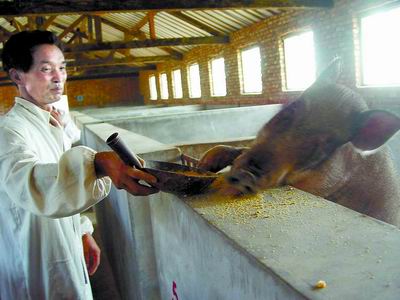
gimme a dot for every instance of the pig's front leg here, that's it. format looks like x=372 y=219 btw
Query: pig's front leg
x=219 y=157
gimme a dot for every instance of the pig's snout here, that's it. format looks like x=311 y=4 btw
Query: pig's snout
x=242 y=180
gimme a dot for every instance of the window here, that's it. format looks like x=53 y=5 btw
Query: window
x=380 y=48
x=218 y=81
x=299 y=61
x=250 y=63
x=164 y=86
x=177 y=83
x=194 y=81
x=153 y=87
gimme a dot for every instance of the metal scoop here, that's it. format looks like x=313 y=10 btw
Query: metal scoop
x=171 y=178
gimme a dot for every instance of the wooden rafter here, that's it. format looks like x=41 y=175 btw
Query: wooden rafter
x=97 y=29
x=126 y=52
x=48 y=22
x=39 y=21
x=25 y=7
x=174 y=54
x=14 y=22
x=139 y=25
x=115 y=25
x=122 y=61
x=148 y=43
x=90 y=31
x=96 y=74
x=30 y=25
x=72 y=26
x=194 y=22
x=83 y=34
x=126 y=31
x=152 y=28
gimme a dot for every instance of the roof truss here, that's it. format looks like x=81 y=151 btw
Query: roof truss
x=86 y=44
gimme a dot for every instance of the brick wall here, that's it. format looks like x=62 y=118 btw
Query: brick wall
x=7 y=95
x=104 y=92
x=335 y=33
x=95 y=92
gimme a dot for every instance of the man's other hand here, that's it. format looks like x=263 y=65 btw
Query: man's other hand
x=122 y=175
x=91 y=252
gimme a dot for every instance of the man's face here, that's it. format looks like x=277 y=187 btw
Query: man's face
x=43 y=84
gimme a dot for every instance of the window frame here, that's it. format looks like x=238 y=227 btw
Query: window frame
x=174 y=84
x=359 y=52
x=190 y=81
x=155 y=88
x=241 y=68
x=164 y=93
x=284 y=67
x=212 y=91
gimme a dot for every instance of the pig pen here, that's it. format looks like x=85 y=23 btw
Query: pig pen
x=276 y=245
x=123 y=112
x=109 y=114
x=207 y=126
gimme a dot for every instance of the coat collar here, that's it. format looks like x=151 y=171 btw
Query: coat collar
x=36 y=110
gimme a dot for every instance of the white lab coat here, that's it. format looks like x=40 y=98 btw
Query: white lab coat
x=42 y=191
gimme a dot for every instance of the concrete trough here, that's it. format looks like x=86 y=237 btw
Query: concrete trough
x=201 y=126
x=122 y=112
x=275 y=245
x=110 y=114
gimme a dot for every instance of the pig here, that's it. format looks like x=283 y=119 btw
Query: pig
x=218 y=157
x=328 y=143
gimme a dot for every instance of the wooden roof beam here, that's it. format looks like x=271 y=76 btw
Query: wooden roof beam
x=121 y=61
x=194 y=22
x=152 y=27
x=32 y=7
x=139 y=25
x=110 y=74
x=127 y=31
x=72 y=26
x=13 y=22
x=48 y=22
x=110 y=71
x=148 y=43
x=175 y=54
x=80 y=33
x=97 y=29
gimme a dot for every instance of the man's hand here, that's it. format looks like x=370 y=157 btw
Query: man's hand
x=122 y=175
x=56 y=116
x=91 y=252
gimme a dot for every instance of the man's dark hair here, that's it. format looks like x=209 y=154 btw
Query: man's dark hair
x=18 y=50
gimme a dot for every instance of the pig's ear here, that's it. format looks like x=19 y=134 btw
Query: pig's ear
x=332 y=72
x=373 y=128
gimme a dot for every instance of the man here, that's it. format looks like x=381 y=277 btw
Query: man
x=43 y=186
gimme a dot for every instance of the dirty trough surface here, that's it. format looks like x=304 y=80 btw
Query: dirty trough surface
x=308 y=241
